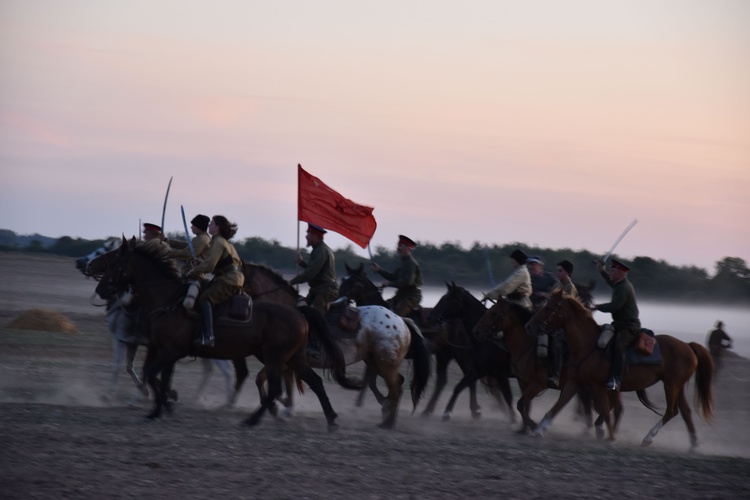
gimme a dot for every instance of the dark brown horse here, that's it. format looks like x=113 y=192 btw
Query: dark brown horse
x=446 y=340
x=589 y=367
x=276 y=334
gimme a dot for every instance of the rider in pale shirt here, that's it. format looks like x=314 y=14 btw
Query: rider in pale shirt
x=517 y=287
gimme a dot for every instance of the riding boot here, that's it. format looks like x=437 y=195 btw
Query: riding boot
x=207 y=334
x=618 y=367
x=313 y=346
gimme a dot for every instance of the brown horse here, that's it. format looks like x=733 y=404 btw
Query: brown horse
x=530 y=370
x=589 y=367
x=276 y=334
x=382 y=341
x=446 y=340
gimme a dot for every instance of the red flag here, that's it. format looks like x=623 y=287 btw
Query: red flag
x=320 y=205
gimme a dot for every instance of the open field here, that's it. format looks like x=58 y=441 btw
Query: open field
x=59 y=438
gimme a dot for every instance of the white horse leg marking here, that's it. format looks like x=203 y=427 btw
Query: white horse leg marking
x=652 y=434
x=224 y=366
x=541 y=428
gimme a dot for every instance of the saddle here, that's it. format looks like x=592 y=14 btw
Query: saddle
x=344 y=316
x=235 y=311
x=645 y=351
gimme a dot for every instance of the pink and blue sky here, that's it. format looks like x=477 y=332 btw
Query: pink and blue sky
x=550 y=123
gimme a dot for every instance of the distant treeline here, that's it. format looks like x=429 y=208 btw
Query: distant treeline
x=477 y=267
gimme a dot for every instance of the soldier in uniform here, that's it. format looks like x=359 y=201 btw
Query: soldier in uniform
x=542 y=282
x=516 y=287
x=201 y=241
x=407 y=279
x=555 y=353
x=624 y=312
x=152 y=232
x=222 y=260
x=319 y=272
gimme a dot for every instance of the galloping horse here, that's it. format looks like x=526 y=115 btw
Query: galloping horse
x=511 y=320
x=358 y=287
x=477 y=357
x=123 y=324
x=590 y=367
x=382 y=341
x=276 y=334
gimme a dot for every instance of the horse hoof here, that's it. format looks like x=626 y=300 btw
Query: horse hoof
x=173 y=395
x=386 y=425
x=476 y=414
x=250 y=422
x=645 y=443
x=446 y=417
x=333 y=427
x=426 y=414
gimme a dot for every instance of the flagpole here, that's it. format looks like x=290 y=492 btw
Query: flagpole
x=370 y=252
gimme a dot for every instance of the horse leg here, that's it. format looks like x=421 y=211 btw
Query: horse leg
x=393 y=380
x=601 y=403
x=204 y=377
x=223 y=366
x=473 y=405
x=671 y=395
x=466 y=381
x=260 y=382
x=507 y=396
x=312 y=379
x=152 y=367
x=370 y=379
x=240 y=373
x=116 y=362
x=288 y=401
x=166 y=383
x=568 y=391
x=441 y=372
x=687 y=417
x=273 y=372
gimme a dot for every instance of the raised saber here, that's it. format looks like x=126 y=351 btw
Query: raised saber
x=164 y=209
x=489 y=267
x=627 y=229
x=187 y=233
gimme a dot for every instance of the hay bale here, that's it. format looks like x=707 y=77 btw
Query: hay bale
x=45 y=321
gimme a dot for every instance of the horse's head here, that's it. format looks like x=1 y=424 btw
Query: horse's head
x=114 y=276
x=92 y=264
x=263 y=283
x=551 y=316
x=451 y=305
x=357 y=286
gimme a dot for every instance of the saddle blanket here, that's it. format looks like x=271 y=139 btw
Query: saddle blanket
x=635 y=358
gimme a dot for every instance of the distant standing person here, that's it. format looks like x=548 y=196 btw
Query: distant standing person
x=718 y=340
x=407 y=279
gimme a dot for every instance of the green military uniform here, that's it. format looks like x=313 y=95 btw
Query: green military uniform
x=222 y=260
x=320 y=273
x=407 y=280
x=624 y=311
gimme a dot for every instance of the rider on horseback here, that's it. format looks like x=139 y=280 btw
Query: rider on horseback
x=555 y=348
x=319 y=272
x=624 y=316
x=222 y=260
x=517 y=287
x=407 y=279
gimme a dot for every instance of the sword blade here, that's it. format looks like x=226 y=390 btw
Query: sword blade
x=187 y=233
x=164 y=208
x=627 y=229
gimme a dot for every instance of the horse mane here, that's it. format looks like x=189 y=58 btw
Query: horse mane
x=158 y=252
x=275 y=277
x=577 y=304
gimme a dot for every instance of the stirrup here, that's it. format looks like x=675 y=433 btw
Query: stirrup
x=613 y=384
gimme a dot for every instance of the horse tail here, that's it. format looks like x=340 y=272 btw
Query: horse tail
x=643 y=398
x=704 y=399
x=331 y=349
x=420 y=357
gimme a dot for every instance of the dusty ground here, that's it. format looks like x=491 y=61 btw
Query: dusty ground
x=58 y=438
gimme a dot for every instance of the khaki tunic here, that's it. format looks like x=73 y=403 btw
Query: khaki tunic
x=570 y=289
x=516 y=288
x=228 y=280
x=320 y=273
x=181 y=250
x=407 y=280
